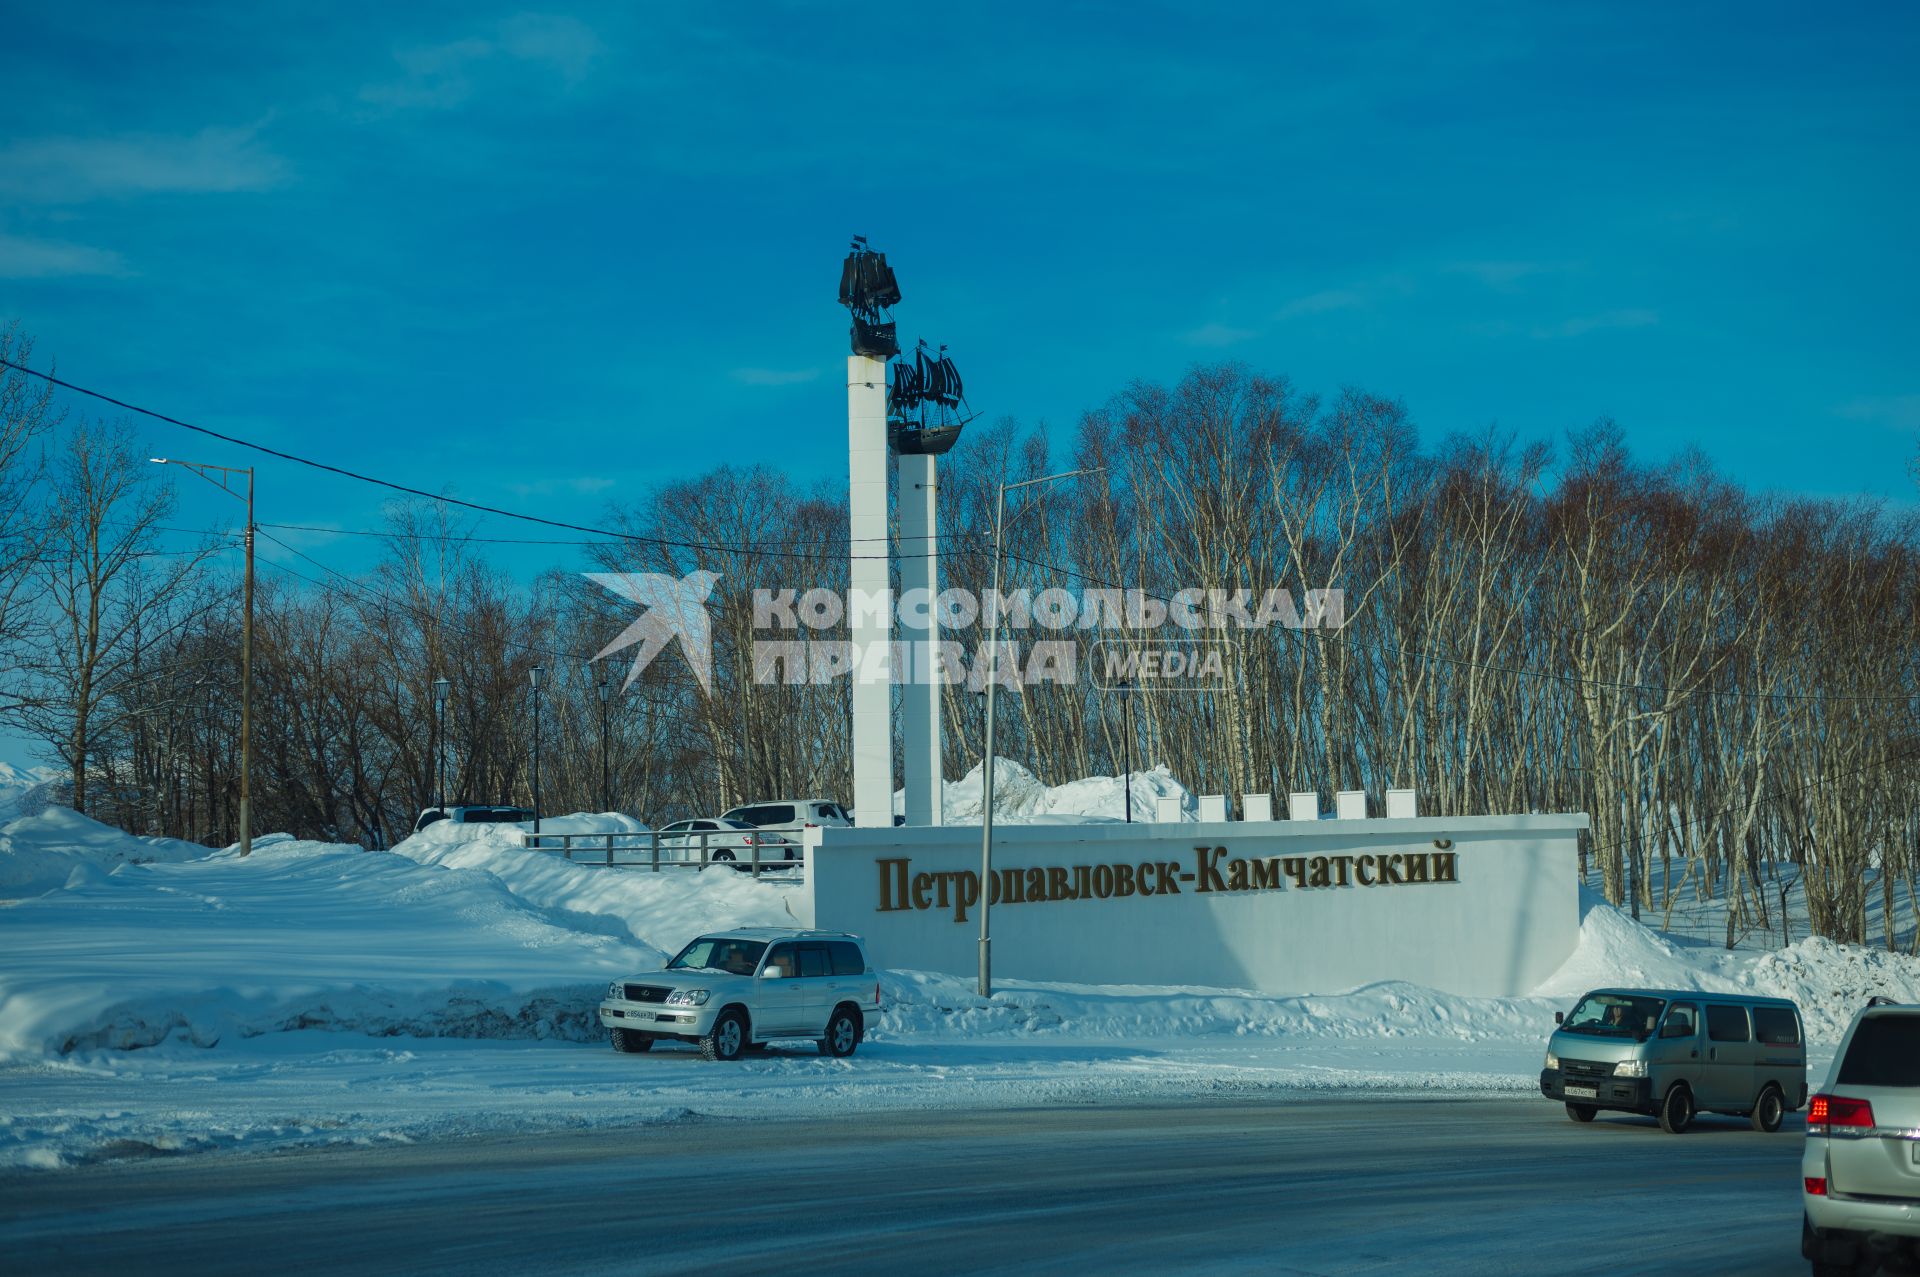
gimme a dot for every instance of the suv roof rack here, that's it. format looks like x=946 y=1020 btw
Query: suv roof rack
x=1880 y=1000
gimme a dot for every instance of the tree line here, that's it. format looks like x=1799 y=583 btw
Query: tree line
x=1724 y=680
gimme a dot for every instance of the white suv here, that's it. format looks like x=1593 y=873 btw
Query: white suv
x=725 y=841
x=791 y=815
x=735 y=989
x=1860 y=1174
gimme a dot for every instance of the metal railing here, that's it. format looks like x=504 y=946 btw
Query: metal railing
x=653 y=850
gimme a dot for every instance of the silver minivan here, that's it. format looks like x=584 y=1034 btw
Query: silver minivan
x=1670 y=1055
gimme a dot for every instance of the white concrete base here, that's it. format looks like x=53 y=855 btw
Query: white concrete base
x=1484 y=906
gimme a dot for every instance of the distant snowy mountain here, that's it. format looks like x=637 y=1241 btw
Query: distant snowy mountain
x=16 y=782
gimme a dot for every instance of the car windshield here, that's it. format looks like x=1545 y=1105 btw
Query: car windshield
x=716 y=953
x=1618 y=1015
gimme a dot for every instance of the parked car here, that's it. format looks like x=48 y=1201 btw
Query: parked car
x=473 y=815
x=725 y=840
x=734 y=989
x=1672 y=1055
x=791 y=815
x=1860 y=1173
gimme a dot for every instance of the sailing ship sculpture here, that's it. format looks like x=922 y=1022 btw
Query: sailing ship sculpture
x=868 y=288
x=926 y=404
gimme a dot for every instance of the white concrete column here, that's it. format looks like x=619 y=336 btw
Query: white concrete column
x=920 y=693
x=869 y=609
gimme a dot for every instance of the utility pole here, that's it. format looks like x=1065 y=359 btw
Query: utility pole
x=225 y=483
x=538 y=670
x=606 y=770
x=440 y=686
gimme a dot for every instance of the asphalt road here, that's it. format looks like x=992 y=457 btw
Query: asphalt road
x=1327 y=1184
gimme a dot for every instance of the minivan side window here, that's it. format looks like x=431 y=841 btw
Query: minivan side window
x=1726 y=1024
x=1775 y=1026
x=846 y=957
x=1683 y=1021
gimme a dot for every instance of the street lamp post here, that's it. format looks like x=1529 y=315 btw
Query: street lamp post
x=225 y=483
x=440 y=686
x=986 y=765
x=538 y=670
x=1126 y=729
x=606 y=772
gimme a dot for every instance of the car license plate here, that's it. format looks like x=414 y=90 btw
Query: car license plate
x=1583 y=1092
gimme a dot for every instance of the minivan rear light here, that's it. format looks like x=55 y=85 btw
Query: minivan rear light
x=1816 y=1187
x=1828 y=1111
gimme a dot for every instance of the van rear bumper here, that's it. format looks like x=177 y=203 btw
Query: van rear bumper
x=1631 y=1094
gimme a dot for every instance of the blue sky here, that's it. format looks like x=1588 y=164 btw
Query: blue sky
x=545 y=258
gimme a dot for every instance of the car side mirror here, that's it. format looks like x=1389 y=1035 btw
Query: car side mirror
x=773 y=973
x=1675 y=1029
x=1559 y=1017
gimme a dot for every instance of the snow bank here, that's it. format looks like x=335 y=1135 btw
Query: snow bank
x=314 y=992
x=922 y=1003
x=1019 y=797
x=659 y=910
x=299 y=935
x=41 y=853
x=1828 y=981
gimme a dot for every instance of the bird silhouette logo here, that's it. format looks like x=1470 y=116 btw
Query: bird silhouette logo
x=677 y=609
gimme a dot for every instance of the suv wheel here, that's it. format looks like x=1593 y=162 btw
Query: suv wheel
x=627 y=1042
x=844 y=1031
x=1676 y=1111
x=1581 y=1112
x=727 y=1039
x=1768 y=1110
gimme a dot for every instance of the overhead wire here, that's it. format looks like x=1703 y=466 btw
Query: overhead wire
x=609 y=534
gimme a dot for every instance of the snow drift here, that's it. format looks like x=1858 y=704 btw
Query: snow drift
x=146 y=983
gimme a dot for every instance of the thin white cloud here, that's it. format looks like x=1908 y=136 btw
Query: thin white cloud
x=566 y=45
x=1503 y=275
x=1327 y=299
x=774 y=376
x=1900 y=411
x=583 y=486
x=64 y=170
x=23 y=258
x=1217 y=335
x=443 y=76
x=1607 y=320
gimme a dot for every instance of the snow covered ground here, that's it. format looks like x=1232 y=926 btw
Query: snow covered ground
x=155 y=997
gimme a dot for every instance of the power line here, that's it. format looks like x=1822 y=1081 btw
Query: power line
x=424 y=616
x=602 y=533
